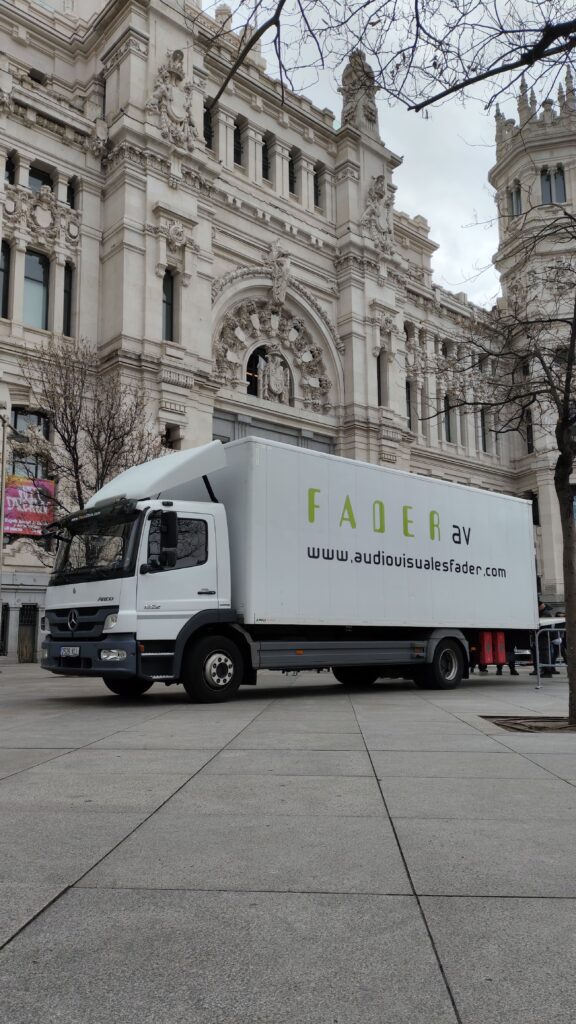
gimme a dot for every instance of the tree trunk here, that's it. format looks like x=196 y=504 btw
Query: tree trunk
x=565 y=501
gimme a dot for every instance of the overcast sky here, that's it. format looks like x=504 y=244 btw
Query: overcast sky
x=444 y=177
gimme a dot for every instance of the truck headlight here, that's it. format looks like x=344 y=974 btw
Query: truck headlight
x=113 y=655
x=110 y=621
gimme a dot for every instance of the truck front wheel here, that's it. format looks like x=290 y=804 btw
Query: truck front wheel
x=446 y=670
x=213 y=670
x=129 y=686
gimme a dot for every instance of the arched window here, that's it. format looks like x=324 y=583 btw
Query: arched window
x=559 y=185
x=4 y=279
x=515 y=200
x=168 y=306
x=268 y=377
x=208 y=127
x=546 y=183
x=36 y=278
x=68 y=285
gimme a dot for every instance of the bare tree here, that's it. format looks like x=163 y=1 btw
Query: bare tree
x=422 y=51
x=99 y=426
x=517 y=369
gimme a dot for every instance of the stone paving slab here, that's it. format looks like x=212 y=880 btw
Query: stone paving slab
x=279 y=794
x=14 y=760
x=137 y=763
x=216 y=958
x=508 y=799
x=42 y=790
x=454 y=765
x=265 y=852
x=287 y=739
x=489 y=857
x=53 y=847
x=291 y=762
x=507 y=961
x=20 y=903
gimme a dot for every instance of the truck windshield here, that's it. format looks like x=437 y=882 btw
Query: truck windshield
x=97 y=546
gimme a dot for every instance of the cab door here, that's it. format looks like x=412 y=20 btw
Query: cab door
x=169 y=596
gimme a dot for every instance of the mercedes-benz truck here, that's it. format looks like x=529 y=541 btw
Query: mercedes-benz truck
x=206 y=565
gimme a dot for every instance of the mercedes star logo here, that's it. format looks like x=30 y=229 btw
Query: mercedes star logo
x=73 y=620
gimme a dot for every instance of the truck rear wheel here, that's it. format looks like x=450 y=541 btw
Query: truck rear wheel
x=129 y=686
x=213 y=670
x=352 y=677
x=446 y=670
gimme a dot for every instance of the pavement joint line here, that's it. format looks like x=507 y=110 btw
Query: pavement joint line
x=116 y=845
x=313 y=892
x=415 y=893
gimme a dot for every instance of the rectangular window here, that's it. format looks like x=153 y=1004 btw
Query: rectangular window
x=238 y=147
x=71 y=195
x=483 y=431
x=529 y=431
x=291 y=175
x=36 y=277
x=265 y=160
x=192 y=547
x=67 y=318
x=448 y=432
x=4 y=279
x=168 y=307
x=317 y=188
x=409 y=404
x=38 y=178
x=25 y=419
x=10 y=171
x=208 y=127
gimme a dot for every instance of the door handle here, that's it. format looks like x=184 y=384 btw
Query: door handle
x=206 y=591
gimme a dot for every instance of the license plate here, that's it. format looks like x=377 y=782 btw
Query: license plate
x=69 y=652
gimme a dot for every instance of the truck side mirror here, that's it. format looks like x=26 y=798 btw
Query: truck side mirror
x=168 y=531
x=168 y=558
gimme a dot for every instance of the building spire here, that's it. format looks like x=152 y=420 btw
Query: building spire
x=523 y=106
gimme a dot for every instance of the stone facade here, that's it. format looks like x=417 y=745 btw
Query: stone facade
x=243 y=262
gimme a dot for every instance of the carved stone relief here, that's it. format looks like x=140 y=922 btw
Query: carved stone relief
x=376 y=221
x=172 y=101
x=286 y=341
x=41 y=216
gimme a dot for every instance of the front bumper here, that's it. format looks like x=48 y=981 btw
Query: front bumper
x=89 y=661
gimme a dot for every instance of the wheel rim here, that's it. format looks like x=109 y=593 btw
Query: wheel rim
x=448 y=665
x=218 y=670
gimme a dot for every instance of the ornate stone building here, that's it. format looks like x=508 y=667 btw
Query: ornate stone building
x=243 y=262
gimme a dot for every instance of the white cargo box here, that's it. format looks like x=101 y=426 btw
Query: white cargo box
x=321 y=540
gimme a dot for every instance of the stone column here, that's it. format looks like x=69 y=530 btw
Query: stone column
x=279 y=157
x=56 y=293
x=16 y=293
x=253 y=142
x=60 y=186
x=3 y=157
x=22 y=171
x=223 y=122
x=306 y=174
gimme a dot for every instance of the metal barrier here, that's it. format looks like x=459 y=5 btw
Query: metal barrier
x=549 y=651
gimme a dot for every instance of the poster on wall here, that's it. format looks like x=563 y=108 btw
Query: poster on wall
x=28 y=505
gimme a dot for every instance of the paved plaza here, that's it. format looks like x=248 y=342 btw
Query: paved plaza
x=302 y=855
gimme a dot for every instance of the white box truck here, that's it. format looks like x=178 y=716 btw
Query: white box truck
x=206 y=565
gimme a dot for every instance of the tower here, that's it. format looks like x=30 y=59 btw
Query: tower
x=535 y=181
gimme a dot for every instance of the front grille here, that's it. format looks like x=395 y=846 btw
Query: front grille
x=90 y=622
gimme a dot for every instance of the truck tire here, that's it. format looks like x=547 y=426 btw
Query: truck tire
x=353 y=677
x=446 y=670
x=130 y=686
x=213 y=670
